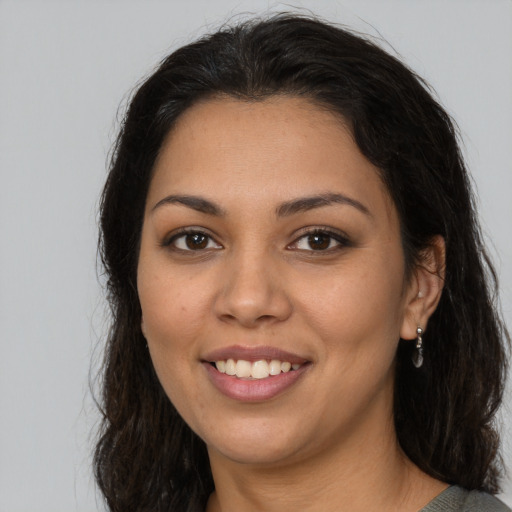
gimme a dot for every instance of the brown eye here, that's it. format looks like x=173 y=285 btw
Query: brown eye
x=194 y=241
x=319 y=241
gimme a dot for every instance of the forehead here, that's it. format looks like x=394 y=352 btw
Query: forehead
x=282 y=147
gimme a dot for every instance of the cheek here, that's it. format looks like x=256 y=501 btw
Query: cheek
x=173 y=304
x=354 y=309
x=172 y=315
x=175 y=308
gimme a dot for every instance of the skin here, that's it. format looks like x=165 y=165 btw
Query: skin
x=257 y=280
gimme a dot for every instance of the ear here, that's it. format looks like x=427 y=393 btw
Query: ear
x=424 y=288
x=142 y=326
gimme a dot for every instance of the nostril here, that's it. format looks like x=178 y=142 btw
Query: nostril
x=252 y=305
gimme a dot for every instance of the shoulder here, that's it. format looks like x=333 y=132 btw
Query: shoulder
x=457 y=499
x=483 y=502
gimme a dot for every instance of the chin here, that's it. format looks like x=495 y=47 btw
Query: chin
x=253 y=455
x=257 y=445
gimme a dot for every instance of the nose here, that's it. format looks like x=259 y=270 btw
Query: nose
x=252 y=293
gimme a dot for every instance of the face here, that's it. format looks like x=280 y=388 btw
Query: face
x=271 y=250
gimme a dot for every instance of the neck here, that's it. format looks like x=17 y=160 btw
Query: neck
x=366 y=473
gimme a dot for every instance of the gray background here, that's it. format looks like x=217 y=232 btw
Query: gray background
x=64 y=69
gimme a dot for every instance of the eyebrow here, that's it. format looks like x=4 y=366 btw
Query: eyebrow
x=305 y=204
x=302 y=204
x=194 y=202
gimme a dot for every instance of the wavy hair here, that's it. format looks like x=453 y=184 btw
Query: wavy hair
x=146 y=457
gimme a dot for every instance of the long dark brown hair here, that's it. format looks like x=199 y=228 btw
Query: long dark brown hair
x=146 y=457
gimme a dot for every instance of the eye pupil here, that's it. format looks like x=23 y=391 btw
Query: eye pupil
x=196 y=241
x=319 y=242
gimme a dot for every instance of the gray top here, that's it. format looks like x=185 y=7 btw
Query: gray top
x=457 y=499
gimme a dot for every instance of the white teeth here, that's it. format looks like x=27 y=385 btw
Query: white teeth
x=275 y=367
x=243 y=368
x=230 y=367
x=256 y=370
x=260 y=370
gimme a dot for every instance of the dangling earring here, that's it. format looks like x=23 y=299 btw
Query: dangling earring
x=417 y=357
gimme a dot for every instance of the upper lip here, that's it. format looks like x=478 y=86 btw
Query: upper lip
x=257 y=353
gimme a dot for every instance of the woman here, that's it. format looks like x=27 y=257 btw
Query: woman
x=303 y=312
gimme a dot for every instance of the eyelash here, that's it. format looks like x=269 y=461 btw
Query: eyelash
x=183 y=233
x=340 y=239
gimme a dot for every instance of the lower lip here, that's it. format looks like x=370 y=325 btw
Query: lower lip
x=253 y=390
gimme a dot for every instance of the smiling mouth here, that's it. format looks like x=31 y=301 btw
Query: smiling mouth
x=254 y=374
x=250 y=370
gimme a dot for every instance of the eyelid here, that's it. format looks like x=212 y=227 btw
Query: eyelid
x=170 y=238
x=336 y=234
x=339 y=236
